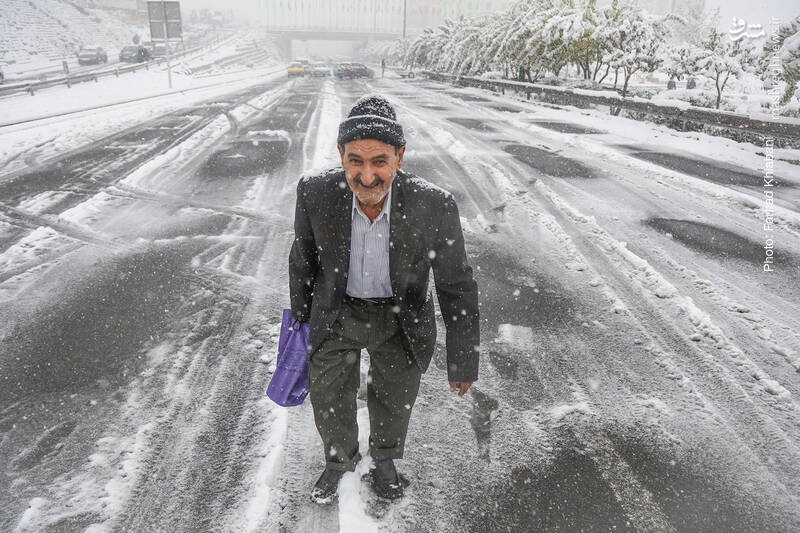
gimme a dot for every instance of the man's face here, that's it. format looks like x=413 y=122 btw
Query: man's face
x=370 y=166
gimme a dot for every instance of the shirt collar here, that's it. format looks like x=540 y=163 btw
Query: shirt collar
x=387 y=206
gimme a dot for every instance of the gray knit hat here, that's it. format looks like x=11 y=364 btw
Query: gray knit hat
x=372 y=117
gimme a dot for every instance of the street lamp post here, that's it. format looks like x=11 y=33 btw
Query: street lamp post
x=166 y=43
x=405 y=11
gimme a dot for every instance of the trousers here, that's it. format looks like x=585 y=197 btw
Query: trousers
x=392 y=383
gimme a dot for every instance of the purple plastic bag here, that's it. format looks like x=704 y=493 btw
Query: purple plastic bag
x=289 y=384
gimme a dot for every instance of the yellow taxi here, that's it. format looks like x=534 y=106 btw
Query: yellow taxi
x=296 y=68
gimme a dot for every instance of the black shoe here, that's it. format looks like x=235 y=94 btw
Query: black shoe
x=385 y=480
x=324 y=490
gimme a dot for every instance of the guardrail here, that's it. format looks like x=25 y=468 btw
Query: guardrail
x=70 y=79
x=739 y=127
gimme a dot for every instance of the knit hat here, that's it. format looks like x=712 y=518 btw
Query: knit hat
x=372 y=117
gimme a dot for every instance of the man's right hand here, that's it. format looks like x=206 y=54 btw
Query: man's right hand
x=461 y=386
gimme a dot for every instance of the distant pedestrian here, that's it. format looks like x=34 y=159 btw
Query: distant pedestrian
x=383 y=67
x=366 y=237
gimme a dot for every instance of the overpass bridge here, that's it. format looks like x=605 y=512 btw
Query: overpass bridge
x=285 y=36
x=359 y=21
x=327 y=34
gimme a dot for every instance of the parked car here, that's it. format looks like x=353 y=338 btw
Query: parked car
x=92 y=55
x=296 y=68
x=353 y=70
x=134 y=54
x=320 y=69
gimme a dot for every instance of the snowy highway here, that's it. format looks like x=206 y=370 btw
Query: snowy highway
x=640 y=370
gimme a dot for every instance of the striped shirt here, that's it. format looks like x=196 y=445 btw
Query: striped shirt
x=369 y=253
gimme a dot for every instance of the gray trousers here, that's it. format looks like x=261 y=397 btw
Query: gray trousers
x=392 y=384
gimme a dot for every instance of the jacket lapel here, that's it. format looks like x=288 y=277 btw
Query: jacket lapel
x=343 y=218
x=343 y=222
x=397 y=229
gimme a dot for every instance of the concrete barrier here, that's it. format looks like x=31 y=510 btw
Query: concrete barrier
x=739 y=127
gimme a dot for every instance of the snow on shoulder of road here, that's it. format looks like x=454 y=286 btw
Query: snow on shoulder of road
x=327 y=115
x=262 y=487
x=60 y=119
x=353 y=517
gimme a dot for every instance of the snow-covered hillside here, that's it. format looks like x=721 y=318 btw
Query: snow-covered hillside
x=40 y=31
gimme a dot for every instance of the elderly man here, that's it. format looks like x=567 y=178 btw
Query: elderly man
x=366 y=238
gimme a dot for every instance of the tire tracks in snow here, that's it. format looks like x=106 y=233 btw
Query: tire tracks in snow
x=493 y=192
x=177 y=443
x=744 y=410
x=222 y=463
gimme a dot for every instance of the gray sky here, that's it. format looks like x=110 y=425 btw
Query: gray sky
x=752 y=11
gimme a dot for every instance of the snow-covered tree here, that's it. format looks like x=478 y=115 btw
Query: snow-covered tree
x=691 y=21
x=786 y=47
x=428 y=48
x=534 y=37
x=636 y=40
x=495 y=38
x=520 y=47
x=538 y=39
x=399 y=51
x=720 y=58
x=687 y=26
x=571 y=29
x=464 y=52
x=380 y=50
x=683 y=60
x=394 y=52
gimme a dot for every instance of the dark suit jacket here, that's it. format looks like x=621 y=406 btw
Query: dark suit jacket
x=425 y=232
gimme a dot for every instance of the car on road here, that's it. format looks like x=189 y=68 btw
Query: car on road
x=134 y=54
x=363 y=71
x=92 y=55
x=320 y=69
x=353 y=70
x=342 y=70
x=295 y=68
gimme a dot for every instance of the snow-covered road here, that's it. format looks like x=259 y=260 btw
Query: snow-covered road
x=640 y=370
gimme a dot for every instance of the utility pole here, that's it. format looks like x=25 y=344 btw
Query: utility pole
x=405 y=11
x=166 y=43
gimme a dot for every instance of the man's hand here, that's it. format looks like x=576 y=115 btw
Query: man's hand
x=461 y=386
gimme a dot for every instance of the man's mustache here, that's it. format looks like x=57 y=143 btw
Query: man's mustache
x=377 y=183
